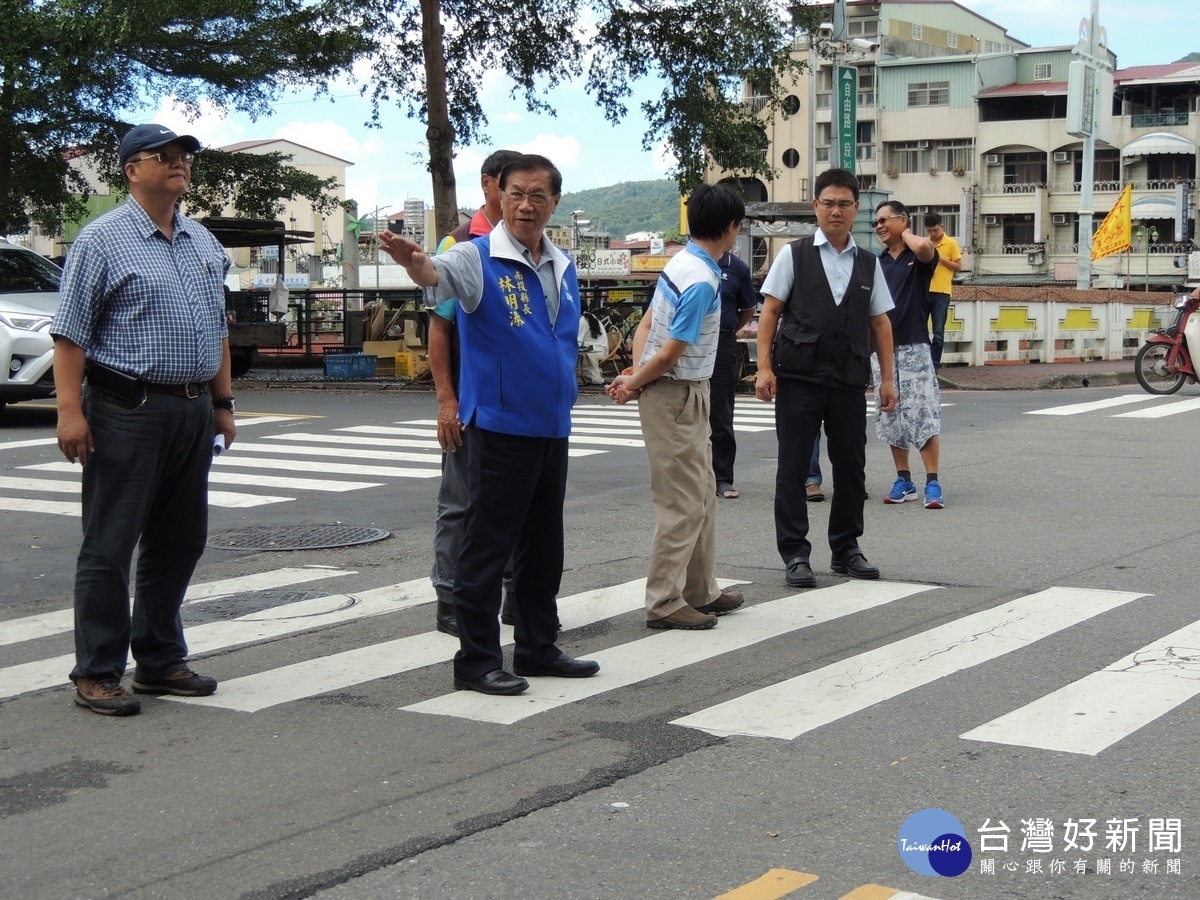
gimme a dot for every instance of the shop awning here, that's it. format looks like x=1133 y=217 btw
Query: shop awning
x=1158 y=142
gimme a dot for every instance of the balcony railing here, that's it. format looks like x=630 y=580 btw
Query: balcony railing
x=1157 y=120
x=757 y=103
x=1014 y=188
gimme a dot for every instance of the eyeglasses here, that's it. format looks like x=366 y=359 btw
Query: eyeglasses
x=883 y=220
x=839 y=204
x=519 y=197
x=168 y=159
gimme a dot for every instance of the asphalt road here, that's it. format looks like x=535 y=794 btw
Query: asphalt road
x=1029 y=658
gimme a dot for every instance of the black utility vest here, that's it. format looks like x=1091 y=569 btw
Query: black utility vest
x=819 y=340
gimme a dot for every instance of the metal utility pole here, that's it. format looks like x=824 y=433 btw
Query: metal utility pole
x=1087 y=89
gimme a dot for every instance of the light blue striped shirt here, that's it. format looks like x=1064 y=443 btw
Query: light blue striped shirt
x=139 y=303
x=687 y=307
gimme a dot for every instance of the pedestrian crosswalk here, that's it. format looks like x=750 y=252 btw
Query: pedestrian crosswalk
x=280 y=467
x=1148 y=406
x=1085 y=716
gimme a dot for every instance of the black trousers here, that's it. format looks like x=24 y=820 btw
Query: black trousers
x=516 y=487
x=723 y=388
x=800 y=409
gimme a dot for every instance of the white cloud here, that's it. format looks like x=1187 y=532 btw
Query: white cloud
x=327 y=137
x=213 y=128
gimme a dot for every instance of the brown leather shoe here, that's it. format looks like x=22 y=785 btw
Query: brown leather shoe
x=106 y=696
x=727 y=601
x=685 y=619
x=812 y=492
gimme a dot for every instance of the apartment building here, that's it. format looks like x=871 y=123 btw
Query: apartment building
x=956 y=116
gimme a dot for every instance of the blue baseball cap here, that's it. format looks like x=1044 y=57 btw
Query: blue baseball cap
x=148 y=137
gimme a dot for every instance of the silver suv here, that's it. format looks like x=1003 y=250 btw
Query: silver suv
x=28 y=299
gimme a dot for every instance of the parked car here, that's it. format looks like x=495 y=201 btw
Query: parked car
x=28 y=300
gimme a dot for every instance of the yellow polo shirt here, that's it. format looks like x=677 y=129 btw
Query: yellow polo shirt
x=942 y=278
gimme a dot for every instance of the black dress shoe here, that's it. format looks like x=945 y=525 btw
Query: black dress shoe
x=854 y=564
x=563 y=667
x=446 y=623
x=496 y=681
x=800 y=573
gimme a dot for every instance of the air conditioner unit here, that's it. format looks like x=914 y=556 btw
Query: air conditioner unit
x=992 y=159
x=1061 y=156
x=1058 y=218
x=1036 y=257
x=922 y=145
x=991 y=220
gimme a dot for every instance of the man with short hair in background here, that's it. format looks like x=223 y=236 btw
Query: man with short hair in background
x=942 y=286
x=443 y=365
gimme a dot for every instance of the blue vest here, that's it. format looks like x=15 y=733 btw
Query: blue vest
x=518 y=369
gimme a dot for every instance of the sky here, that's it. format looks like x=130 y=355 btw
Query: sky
x=389 y=161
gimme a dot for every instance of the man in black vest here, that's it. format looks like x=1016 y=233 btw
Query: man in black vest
x=825 y=305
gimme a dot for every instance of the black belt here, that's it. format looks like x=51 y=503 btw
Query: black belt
x=191 y=390
x=129 y=389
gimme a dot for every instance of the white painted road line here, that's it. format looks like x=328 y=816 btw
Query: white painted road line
x=1092 y=714
x=1074 y=409
x=791 y=708
x=53 y=507
x=341 y=670
x=293 y=618
x=670 y=650
x=1158 y=412
x=28 y=628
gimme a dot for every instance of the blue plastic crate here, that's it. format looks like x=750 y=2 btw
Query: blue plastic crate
x=349 y=365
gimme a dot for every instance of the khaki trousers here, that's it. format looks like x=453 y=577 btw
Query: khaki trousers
x=674 y=416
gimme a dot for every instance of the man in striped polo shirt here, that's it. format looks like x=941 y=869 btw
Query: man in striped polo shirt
x=674 y=350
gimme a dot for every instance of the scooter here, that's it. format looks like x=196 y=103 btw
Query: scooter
x=1164 y=363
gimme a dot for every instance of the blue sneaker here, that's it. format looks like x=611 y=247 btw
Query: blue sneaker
x=933 y=495
x=902 y=490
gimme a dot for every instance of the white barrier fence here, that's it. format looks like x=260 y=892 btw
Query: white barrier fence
x=1089 y=326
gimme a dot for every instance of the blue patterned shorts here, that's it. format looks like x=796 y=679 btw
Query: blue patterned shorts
x=918 y=413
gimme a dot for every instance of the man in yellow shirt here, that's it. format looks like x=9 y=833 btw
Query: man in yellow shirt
x=949 y=262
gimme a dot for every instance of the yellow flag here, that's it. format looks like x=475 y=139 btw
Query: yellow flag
x=1116 y=231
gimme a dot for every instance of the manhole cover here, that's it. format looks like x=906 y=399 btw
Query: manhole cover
x=297 y=537
x=239 y=606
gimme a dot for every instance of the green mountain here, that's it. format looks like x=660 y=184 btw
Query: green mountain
x=624 y=208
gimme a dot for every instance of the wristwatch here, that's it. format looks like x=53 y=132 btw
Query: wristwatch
x=224 y=403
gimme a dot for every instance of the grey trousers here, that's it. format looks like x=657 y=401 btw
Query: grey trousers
x=450 y=522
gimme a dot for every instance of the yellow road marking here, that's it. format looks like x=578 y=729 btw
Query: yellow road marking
x=870 y=892
x=776 y=883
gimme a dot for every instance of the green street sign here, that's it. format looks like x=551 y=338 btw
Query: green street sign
x=845 y=117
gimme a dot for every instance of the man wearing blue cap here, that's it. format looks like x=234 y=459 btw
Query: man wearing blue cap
x=142 y=377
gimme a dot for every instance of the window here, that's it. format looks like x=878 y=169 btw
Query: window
x=918 y=32
x=952 y=40
x=866 y=86
x=862 y=28
x=954 y=156
x=949 y=214
x=791 y=105
x=791 y=158
x=908 y=157
x=929 y=93
x=865 y=141
x=1042 y=72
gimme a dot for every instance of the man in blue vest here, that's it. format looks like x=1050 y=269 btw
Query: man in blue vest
x=519 y=309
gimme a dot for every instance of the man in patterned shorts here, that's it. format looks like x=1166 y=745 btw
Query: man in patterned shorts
x=908 y=264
